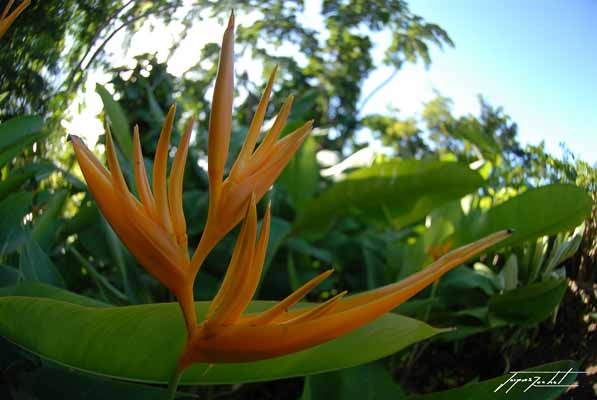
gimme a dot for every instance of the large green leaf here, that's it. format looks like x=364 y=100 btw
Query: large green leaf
x=118 y=121
x=36 y=289
x=537 y=212
x=142 y=343
x=528 y=305
x=507 y=388
x=400 y=192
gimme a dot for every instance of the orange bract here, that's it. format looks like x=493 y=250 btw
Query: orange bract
x=154 y=229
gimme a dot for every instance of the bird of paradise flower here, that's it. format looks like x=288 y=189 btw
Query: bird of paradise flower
x=153 y=227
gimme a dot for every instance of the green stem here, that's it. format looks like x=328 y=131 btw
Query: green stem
x=100 y=280
x=173 y=383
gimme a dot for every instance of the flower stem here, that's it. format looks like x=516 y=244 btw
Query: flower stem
x=173 y=383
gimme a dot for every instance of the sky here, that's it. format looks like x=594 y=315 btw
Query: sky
x=535 y=58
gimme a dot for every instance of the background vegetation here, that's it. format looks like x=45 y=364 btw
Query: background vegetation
x=443 y=181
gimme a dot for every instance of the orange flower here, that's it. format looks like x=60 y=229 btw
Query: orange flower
x=253 y=171
x=154 y=227
x=6 y=19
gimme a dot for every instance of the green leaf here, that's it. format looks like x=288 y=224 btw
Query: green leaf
x=472 y=131
x=36 y=289
x=118 y=122
x=510 y=272
x=18 y=133
x=365 y=382
x=399 y=192
x=143 y=342
x=12 y=211
x=537 y=212
x=44 y=229
x=528 y=305
x=304 y=247
x=487 y=389
x=35 y=265
x=15 y=130
x=301 y=176
x=18 y=177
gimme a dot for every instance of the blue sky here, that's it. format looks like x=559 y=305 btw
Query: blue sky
x=537 y=59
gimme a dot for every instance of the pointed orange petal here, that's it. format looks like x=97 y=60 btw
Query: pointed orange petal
x=317 y=311
x=175 y=187
x=117 y=177
x=280 y=308
x=7 y=8
x=160 y=165
x=252 y=342
x=408 y=287
x=254 y=128
x=228 y=305
x=252 y=280
x=266 y=145
x=87 y=158
x=141 y=180
x=145 y=239
x=220 y=119
x=235 y=194
x=7 y=21
x=271 y=169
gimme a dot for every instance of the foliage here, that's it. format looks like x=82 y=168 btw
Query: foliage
x=374 y=225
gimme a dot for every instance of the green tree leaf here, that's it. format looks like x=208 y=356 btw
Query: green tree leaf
x=537 y=212
x=301 y=176
x=528 y=305
x=143 y=342
x=17 y=134
x=400 y=192
x=118 y=122
x=15 y=130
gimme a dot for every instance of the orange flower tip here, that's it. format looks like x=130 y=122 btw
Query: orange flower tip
x=231 y=20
